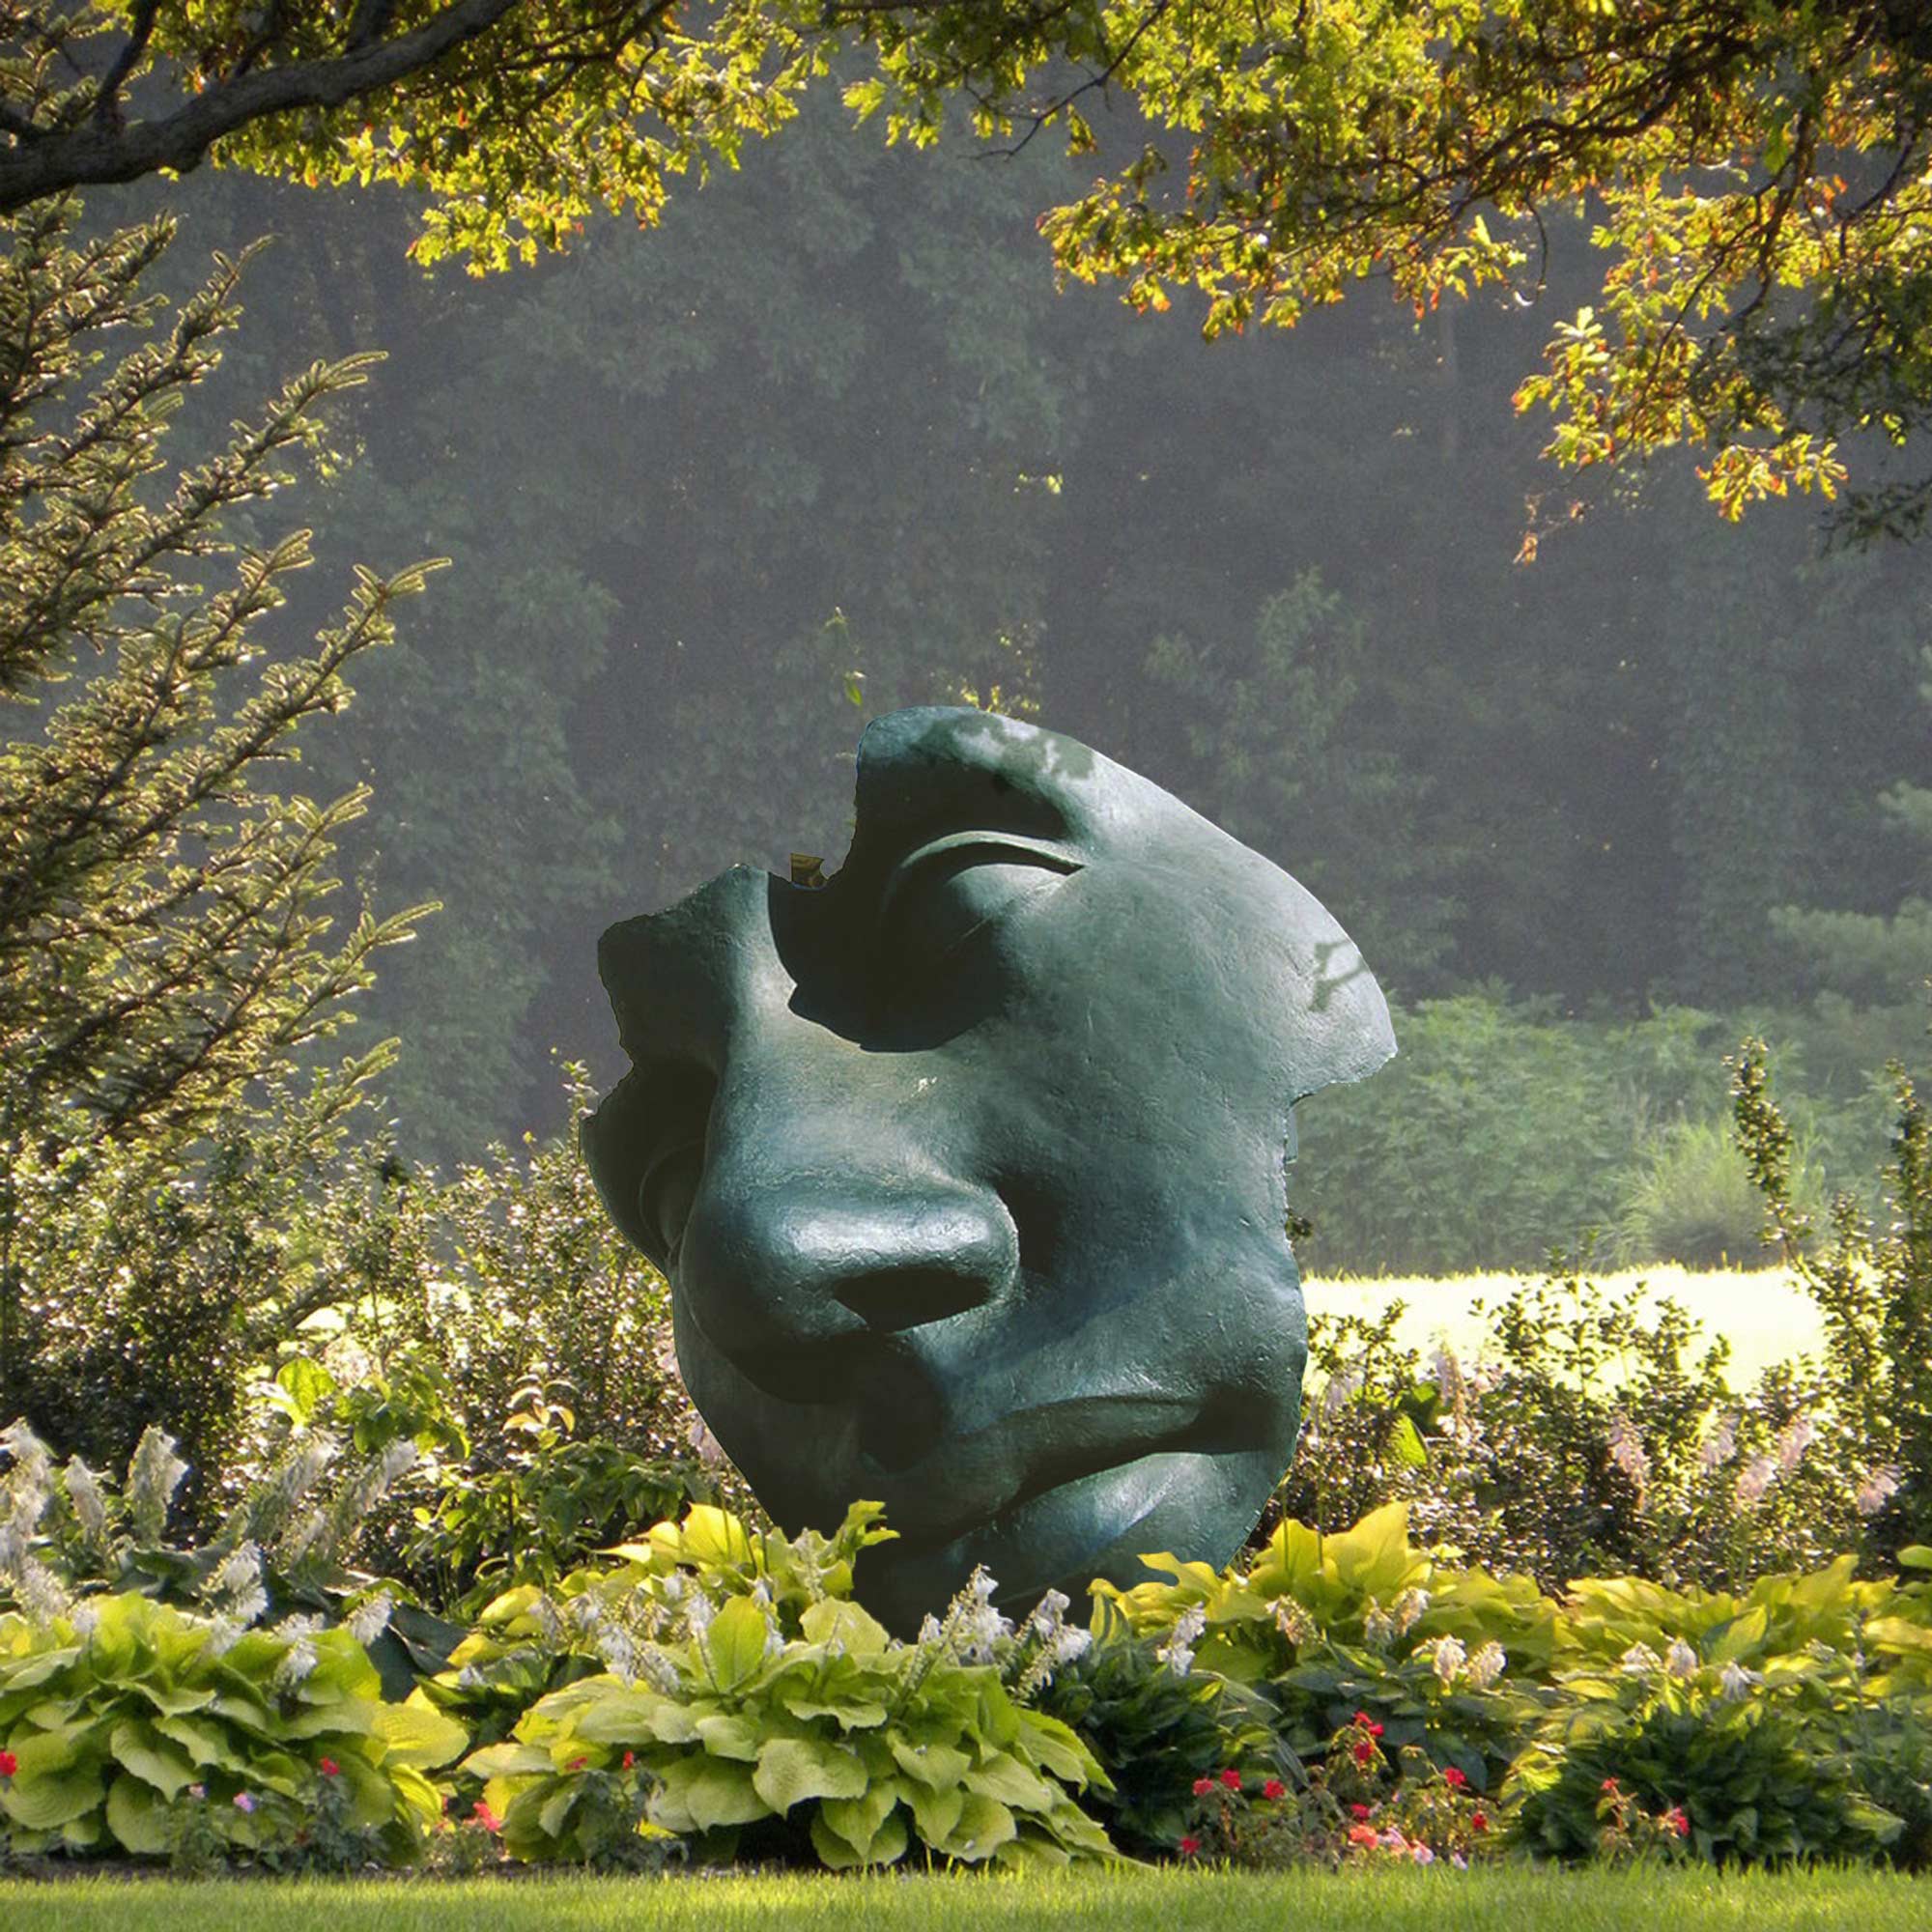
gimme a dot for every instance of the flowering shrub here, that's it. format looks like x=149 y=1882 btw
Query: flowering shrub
x=128 y=1723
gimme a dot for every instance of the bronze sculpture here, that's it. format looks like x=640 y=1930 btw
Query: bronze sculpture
x=966 y=1165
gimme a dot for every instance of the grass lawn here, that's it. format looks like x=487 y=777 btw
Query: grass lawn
x=1762 y=1314
x=1541 y=1900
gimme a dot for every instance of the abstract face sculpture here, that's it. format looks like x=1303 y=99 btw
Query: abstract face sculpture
x=966 y=1168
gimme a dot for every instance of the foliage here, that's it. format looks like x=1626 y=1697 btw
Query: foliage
x=1692 y=1200
x=1756 y=173
x=115 y=1712
x=754 y=1689
x=163 y=956
x=1155 y=1730
x=1873 y=1287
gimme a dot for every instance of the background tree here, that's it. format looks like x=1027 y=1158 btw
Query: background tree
x=167 y=964
x=1759 y=172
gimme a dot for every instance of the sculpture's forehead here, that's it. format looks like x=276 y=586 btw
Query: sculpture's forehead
x=1266 y=943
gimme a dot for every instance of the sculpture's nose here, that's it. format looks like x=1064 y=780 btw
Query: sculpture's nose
x=788 y=1270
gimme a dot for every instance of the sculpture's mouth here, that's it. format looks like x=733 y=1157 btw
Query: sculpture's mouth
x=1048 y=1462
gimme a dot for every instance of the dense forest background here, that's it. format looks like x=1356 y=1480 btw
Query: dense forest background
x=830 y=443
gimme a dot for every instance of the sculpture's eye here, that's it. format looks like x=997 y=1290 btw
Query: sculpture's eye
x=948 y=890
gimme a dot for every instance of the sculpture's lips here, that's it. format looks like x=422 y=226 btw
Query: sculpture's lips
x=966 y=1482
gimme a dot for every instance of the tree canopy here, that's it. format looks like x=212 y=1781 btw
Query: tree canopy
x=1756 y=172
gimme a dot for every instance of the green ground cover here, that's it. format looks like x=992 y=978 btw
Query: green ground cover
x=1763 y=1313
x=1355 y=1901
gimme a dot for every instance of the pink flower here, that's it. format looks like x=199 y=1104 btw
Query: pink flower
x=1422 y=1855
x=1274 y=1788
x=243 y=1802
x=578 y=1763
x=1611 y=1785
x=1202 y=1786
x=9 y=1764
x=1232 y=1780
x=1455 y=1780
x=486 y=1817
x=329 y=1768
x=1189 y=1847
x=1361 y=1834
x=1678 y=1822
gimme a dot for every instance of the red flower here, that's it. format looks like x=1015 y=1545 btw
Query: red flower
x=1678 y=1822
x=1455 y=1780
x=1202 y=1786
x=1360 y=1813
x=1365 y=1750
x=9 y=1764
x=629 y=1759
x=329 y=1768
x=578 y=1763
x=486 y=1817
x=1479 y=1820
x=1189 y=1847
x=1232 y=1779
x=1361 y=1834
x=1611 y=1785
x=1368 y=1723
x=1274 y=1788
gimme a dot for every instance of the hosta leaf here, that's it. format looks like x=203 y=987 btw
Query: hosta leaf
x=935 y=1813
x=725 y=1734
x=936 y=1765
x=151 y=1758
x=703 y=1793
x=735 y=1643
x=46 y=1801
x=206 y=1742
x=858 y=1820
x=415 y=1733
x=791 y=1770
x=836 y=1621
x=138 y=1816
x=984 y=1825
x=1006 y=1778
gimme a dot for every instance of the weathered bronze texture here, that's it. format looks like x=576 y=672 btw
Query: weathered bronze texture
x=966 y=1167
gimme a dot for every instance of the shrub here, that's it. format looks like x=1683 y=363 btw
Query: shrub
x=1692 y=1200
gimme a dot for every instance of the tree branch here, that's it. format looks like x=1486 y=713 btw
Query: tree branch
x=97 y=154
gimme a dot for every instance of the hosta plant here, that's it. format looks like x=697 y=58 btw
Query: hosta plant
x=125 y=1722
x=761 y=1698
x=1451 y=1660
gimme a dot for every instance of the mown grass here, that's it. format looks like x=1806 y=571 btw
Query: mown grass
x=1761 y=1312
x=1391 y=1900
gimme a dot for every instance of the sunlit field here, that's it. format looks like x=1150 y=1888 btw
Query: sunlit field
x=1394 y=1900
x=1761 y=1312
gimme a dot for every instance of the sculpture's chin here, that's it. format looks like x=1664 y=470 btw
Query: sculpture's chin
x=1098 y=1525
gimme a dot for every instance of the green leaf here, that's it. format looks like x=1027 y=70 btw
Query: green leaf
x=836 y=1621
x=703 y=1793
x=984 y=1825
x=138 y=1816
x=137 y=1748
x=859 y=1820
x=415 y=1733
x=44 y=1801
x=791 y=1770
x=735 y=1642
